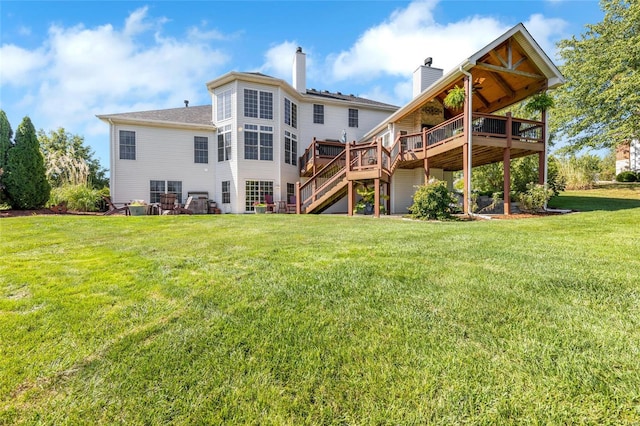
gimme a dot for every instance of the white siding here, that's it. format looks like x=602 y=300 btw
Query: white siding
x=403 y=187
x=161 y=154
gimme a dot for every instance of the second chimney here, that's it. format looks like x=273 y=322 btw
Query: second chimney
x=300 y=71
x=425 y=76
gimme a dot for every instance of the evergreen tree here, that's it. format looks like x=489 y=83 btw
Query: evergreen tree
x=25 y=179
x=599 y=105
x=5 y=144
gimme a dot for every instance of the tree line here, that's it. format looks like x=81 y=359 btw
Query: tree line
x=36 y=167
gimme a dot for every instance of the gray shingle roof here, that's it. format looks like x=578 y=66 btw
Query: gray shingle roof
x=188 y=115
x=330 y=95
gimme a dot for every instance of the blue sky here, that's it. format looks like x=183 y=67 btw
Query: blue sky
x=61 y=63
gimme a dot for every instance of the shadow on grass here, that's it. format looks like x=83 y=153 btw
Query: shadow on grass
x=588 y=204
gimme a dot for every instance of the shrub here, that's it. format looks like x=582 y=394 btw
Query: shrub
x=535 y=198
x=433 y=201
x=627 y=176
x=81 y=198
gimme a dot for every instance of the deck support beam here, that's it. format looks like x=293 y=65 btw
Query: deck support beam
x=376 y=197
x=506 y=161
x=351 y=199
x=465 y=178
x=426 y=170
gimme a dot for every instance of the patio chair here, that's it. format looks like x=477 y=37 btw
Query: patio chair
x=113 y=209
x=291 y=205
x=168 y=205
x=268 y=200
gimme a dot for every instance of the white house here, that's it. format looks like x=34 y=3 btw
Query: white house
x=628 y=157
x=244 y=145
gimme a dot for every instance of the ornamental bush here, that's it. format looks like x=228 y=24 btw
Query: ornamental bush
x=535 y=198
x=433 y=201
x=627 y=176
x=80 y=198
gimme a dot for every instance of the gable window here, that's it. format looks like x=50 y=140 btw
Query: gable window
x=290 y=113
x=318 y=114
x=290 y=148
x=224 y=105
x=353 y=117
x=159 y=187
x=226 y=192
x=224 y=143
x=200 y=149
x=127 y=145
x=258 y=142
x=258 y=104
x=255 y=190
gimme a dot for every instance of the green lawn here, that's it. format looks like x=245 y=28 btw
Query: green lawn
x=284 y=319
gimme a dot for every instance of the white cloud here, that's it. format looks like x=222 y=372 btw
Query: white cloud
x=278 y=60
x=79 y=72
x=397 y=46
x=546 y=31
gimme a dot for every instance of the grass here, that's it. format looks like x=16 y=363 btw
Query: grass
x=283 y=319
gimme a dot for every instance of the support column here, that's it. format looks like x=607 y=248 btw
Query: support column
x=376 y=197
x=426 y=169
x=350 y=198
x=388 y=200
x=506 y=160
x=541 y=166
x=298 y=200
x=465 y=177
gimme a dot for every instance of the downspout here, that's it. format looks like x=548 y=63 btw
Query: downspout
x=546 y=151
x=469 y=136
x=112 y=137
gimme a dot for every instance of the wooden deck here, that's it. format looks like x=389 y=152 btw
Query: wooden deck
x=440 y=147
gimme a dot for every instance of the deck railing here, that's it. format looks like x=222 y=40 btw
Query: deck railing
x=318 y=153
x=322 y=182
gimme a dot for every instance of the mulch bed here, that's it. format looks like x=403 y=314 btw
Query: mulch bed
x=38 y=212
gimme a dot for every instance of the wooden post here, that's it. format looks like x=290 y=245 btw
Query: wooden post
x=379 y=159
x=465 y=177
x=426 y=169
x=350 y=198
x=542 y=155
x=298 y=200
x=388 y=194
x=376 y=197
x=506 y=160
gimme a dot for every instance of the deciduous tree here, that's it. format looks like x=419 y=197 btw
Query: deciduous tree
x=599 y=106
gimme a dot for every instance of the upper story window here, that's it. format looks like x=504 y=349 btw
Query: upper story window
x=318 y=114
x=258 y=142
x=127 y=145
x=353 y=117
x=290 y=148
x=258 y=104
x=290 y=113
x=200 y=149
x=224 y=143
x=224 y=105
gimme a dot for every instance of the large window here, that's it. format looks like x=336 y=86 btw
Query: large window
x=290 y=113
x=318 y=114
x=159 y=187
x=127 y=145
x=224 y=143
x=258 y=142
x=200 y=149
x=258 y=104
x=291 y=191
x=224 y=105
x=255 y=190
x=290 y=148
x=353 y=117
x=226 y=192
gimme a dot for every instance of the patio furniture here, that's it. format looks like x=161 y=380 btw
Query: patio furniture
x=113 y=209
x=282 y=206
x=291 y=205
x=169 y=205
x=268 y=200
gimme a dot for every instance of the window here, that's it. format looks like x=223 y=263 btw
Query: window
x=255 y=109
x=127 y=145
x=291 y=191
x=318 y=114
x=175 y=187
x=159 y=187
x=156 y=187
x=224 y=105
x=200 y=149
x=258 y=142
x=290 y=148
x=353 y=117
x=255 y=191
x=290 y=113
x=224 y=143
x=226 y=192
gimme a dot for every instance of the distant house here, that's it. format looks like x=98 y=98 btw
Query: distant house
x=628 y=156
x=263 y=136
